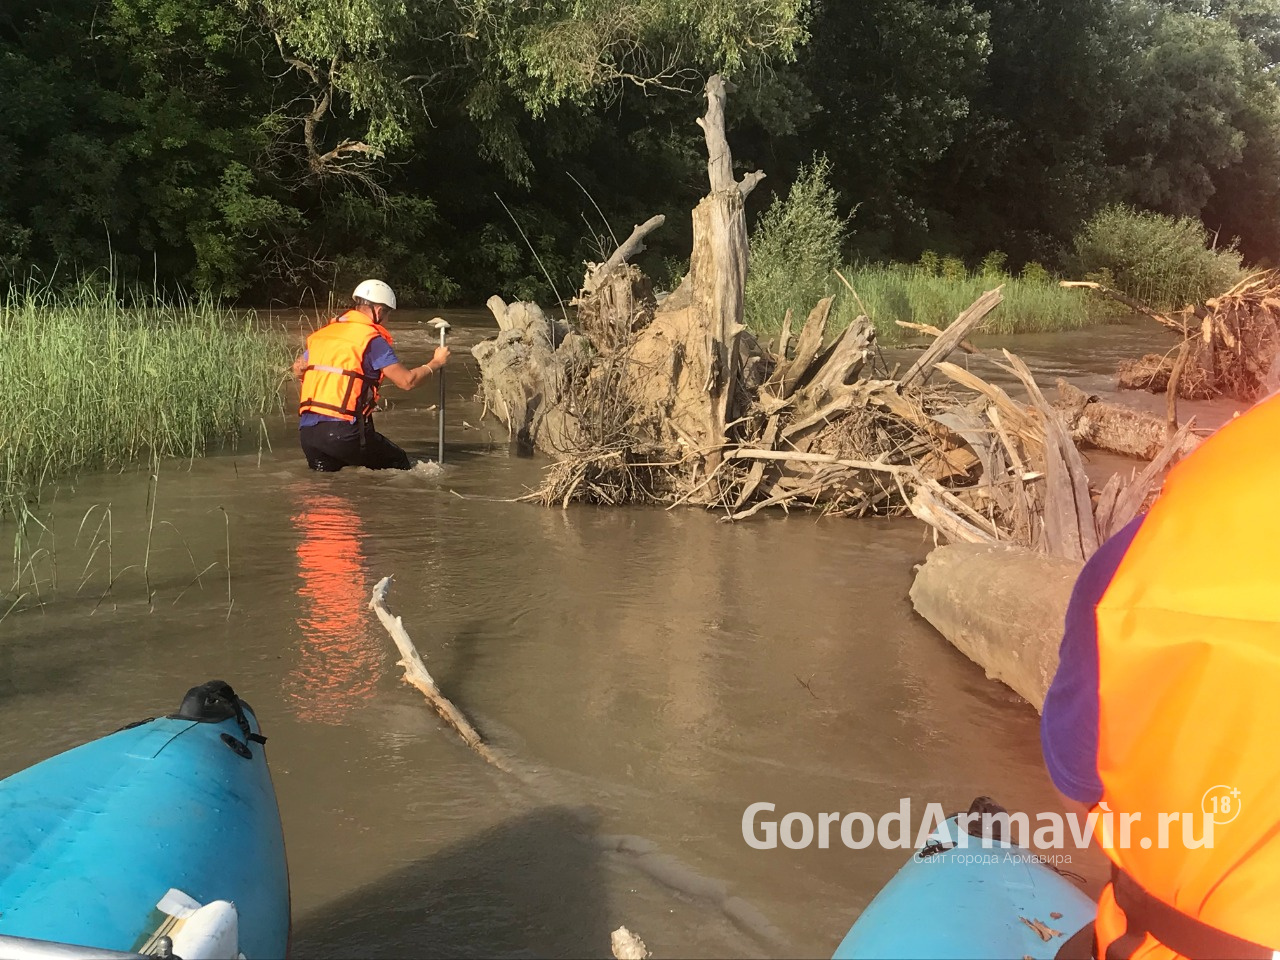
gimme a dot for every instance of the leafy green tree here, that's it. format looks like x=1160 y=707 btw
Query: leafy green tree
x=269 y=157
x=388 y=65
x=1200 y=135
x=1255 y=21
x=893 y=83
x=794 y=248
x=1032 y=163
x=1180 y=125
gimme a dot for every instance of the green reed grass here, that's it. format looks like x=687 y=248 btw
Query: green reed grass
x=90 y=383
x=1033 y=303
x=938 y=293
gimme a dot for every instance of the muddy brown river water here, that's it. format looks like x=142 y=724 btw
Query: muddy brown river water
x=651 y=673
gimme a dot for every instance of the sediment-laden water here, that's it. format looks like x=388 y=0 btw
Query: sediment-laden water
x=652 y=673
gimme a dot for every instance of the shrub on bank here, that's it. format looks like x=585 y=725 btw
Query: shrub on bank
x=794 y=249
x=1164 y=261
x=91 y=383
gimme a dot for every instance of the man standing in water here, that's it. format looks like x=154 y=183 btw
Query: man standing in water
x=341 y=369
x=1165 y=704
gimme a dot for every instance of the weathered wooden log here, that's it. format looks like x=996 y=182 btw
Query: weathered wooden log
x=952 y=337
x=1068 y=510
x=1175 y=384
x=1104 y=508
x=1133 y=497
x=1016 y=418
x=526 y=372
x=839 y=365
x=933 y=331
x=756 y=474
x=784 y=338
x=788 y=373
x=1109 y=426
x=798 y=457
x=633 y=246
x=718 y=267
x=928 y=507
x=1153 y=371
x=1002 y=606
x=416 y=674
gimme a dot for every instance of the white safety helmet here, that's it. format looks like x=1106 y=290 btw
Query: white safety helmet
x=375 y=291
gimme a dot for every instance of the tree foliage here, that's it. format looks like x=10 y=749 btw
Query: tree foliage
x=1167 y=262
x=274 y=149
x=795 y=245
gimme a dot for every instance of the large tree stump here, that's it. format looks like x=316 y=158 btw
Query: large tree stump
x=528 y=371
x=660 y=383
x=687 y=360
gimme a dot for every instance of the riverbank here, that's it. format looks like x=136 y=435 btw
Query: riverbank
x=94 y=384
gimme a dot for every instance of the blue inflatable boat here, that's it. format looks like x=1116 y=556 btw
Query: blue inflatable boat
x=161 y=839
x=978 y=899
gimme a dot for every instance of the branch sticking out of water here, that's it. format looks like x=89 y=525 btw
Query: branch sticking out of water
x=415 y=673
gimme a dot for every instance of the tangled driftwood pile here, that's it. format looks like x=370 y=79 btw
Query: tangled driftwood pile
x=1227 y=346
x=675 y=402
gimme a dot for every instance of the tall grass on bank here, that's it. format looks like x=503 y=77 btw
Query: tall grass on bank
x=90 y=383
x=1033 y=301
x=937 y=292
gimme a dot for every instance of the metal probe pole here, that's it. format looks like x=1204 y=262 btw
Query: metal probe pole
x=442 y=325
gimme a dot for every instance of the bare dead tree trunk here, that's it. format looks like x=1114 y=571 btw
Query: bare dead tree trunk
x=718 y=267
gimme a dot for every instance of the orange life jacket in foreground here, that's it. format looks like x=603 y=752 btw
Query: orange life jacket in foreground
x=1189 y=706
x=334 y=383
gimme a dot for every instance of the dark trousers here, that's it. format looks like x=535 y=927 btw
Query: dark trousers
x=330 y=446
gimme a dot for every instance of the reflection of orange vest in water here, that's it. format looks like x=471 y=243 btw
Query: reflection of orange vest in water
x=1189 y=693
x=339 y=660
x=334 y=383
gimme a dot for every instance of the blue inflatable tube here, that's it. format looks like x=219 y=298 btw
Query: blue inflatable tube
x=168 y=828
x=984 y=899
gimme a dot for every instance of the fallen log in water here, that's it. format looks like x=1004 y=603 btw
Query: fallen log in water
x=1109 y=426
x=1001 y=606
x=1153 y=371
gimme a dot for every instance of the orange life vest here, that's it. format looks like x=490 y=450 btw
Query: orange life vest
x=1189 y=705
x=334 y=383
